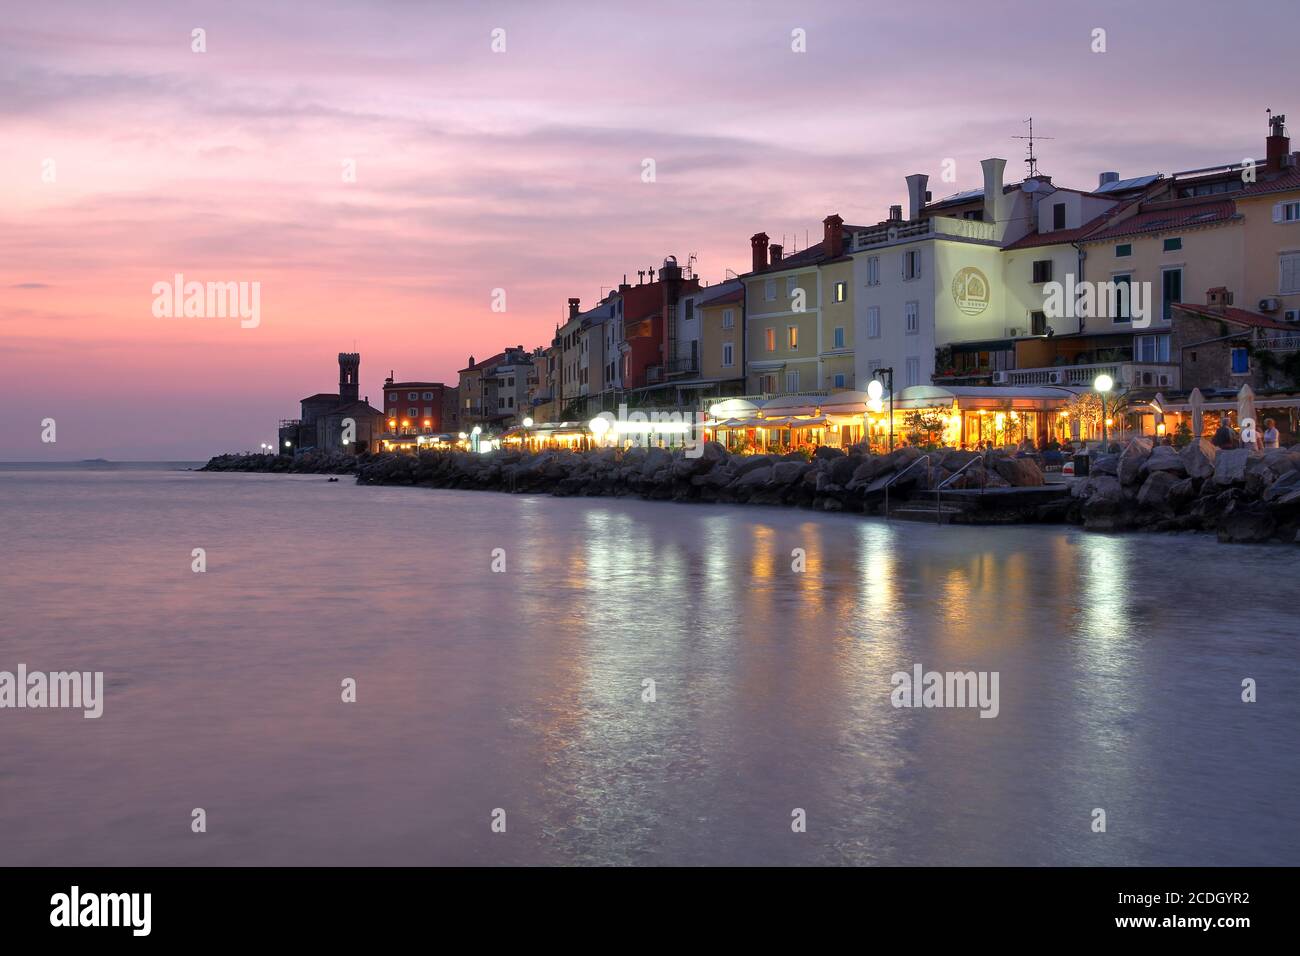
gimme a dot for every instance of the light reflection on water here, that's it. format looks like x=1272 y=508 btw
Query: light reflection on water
x=1120 y=662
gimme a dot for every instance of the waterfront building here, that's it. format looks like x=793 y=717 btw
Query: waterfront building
x=414 y=407
x=650 y=329
x=327 y=419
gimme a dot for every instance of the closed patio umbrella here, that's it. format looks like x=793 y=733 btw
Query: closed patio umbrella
x=1196 y=400
x=1246 y=410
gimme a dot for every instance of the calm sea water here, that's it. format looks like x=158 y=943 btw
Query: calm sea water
x=1120 y=663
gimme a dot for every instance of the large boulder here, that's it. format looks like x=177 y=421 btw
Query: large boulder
x=1132 y=458
x=744 y=464
x=655 y=459
x=1230 y=466
x=1286 y=489
x=1199 y=457
x=1017 y=472
x=843 y=469
x=1105 y=464
x=754 y=477
x=826 y=451
x=788 y=472
x=1166 y=458
x=1246 y=525
x=1156 y=491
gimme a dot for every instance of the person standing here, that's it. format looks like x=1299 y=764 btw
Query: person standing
x=1272 y=438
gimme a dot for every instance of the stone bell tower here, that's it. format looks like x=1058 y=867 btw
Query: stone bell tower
x=349 y=376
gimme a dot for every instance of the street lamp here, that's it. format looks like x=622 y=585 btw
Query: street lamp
x=474 y=433
x=599 y=425
x=1103 y=383
x=873 y=390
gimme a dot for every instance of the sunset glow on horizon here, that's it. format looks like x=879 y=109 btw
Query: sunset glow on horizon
x=128 y=158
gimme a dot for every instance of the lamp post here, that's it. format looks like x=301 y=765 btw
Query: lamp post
x=1103 y=383
x=886 y=375
x=527 y=423
x=474 y=439
x=598 y=427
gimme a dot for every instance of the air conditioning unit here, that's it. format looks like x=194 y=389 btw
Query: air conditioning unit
x=1268 y=305
x=1291 y=315
x=999 y=378
x=1056 y=378
x=1014 y=332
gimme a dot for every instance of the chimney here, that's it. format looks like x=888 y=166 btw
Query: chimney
x=573 y=308
x=776 y=251
x=993 y=198
x=833 y=236
x=758 y=243
x=895 y=213
x=916 y=194
x=1105 y=179
x=1278 y=144
x=1218 y=298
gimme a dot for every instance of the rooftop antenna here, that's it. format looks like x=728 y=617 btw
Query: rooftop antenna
x=1031 y=160
x=690 y=265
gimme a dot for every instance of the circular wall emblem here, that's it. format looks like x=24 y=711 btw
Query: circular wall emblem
x=970 y=291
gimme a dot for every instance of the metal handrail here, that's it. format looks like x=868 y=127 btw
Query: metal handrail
x=938 y=491
x=900 y=474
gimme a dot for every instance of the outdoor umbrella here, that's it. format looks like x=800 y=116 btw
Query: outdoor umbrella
x=1196 y=401
x=1246 y=410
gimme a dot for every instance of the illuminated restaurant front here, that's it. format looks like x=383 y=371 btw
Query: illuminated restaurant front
x=958 y=416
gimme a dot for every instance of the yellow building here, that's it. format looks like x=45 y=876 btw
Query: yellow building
x=722 y=331
x=799 y=315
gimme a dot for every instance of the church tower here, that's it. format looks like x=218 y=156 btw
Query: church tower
x=349 y=376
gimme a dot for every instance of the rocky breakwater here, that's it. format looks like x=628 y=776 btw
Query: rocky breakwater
x=310 y=463
x=831 y=481
x=1241 y=494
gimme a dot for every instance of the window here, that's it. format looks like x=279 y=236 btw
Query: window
x=911 y=323
x=1240 y=362
x=976 y=215
x=428 y=412
x=912 y=264
x=769 y=290
x=873 y=270
x=1286 y=212
x=767 y=383
x=792 y=380
x=412 y=413
x=771 y=339
x=873 y=322
x=1151 y=348
x=728 y=355
x=413 y=396
x=1290 y=278
x=841 y=291
x=839 y=380
x=1171 y=281
x=688 y=312
x=1173 y=245
x=1037 y=323
x=839 y=337
x=872 y=368
x=792 y=337
x=1042 y=270
x=1058 y=215
x=728 y=318
x=392 y=413
x=392 y=396
x=1124 y=250
x=791 y=283
x=428 y=396
x=913 y=371
x=1121 y=310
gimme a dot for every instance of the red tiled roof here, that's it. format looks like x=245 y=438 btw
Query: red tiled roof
x=1239 y=316
x=1173 y=214
x=733 y=296
x=494 y=360
x=1289 y=180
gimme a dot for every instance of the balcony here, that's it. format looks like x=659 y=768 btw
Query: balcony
x=903 y=231
x=1284 y=342
x=683 y=366
x=1125 y=374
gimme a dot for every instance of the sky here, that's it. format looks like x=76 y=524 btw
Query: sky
x=378 y=169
